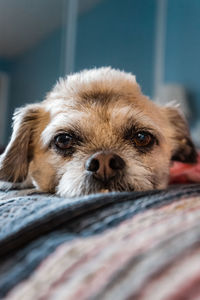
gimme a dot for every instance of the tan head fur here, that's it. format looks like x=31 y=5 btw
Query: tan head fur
x=96 y=130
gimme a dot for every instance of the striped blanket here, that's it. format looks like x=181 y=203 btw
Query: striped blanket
x=143 y=245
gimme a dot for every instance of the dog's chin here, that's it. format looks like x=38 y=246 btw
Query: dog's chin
x=92 y=186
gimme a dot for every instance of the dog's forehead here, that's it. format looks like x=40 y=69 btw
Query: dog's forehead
x=103 y=94
x=111 y=114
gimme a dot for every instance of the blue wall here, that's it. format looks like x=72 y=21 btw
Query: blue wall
x=34 y=73
x=4 y=65
x=119 y=33
x=182 y=59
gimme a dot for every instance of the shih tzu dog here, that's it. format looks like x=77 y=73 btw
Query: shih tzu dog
x=95 y=131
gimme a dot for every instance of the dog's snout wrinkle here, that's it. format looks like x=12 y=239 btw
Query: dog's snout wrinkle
x=105 y=165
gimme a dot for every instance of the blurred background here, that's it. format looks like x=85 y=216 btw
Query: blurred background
x=41 y=40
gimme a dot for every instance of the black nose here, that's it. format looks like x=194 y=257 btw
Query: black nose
x=105 y=165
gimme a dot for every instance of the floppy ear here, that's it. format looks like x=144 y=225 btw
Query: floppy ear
x=183 y=148
x=15 y=160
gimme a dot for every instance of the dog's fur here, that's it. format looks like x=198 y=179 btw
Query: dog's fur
x=104 y=108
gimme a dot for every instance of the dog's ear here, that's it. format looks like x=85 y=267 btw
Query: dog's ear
x=183 y=148
x=15 y=160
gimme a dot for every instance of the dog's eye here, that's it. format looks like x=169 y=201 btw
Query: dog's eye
x=142 y=139
x=63 y=141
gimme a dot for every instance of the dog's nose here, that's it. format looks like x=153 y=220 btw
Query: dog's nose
x=105 y=165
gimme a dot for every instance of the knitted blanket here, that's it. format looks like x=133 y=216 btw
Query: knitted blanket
x=143 y=245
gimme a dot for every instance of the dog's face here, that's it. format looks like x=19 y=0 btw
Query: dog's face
x=96 y=131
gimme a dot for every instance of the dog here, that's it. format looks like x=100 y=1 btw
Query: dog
x=95 y=131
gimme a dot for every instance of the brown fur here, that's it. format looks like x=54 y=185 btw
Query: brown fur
x=98 y=106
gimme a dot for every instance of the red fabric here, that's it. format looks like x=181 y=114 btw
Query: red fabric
x=185 y=173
